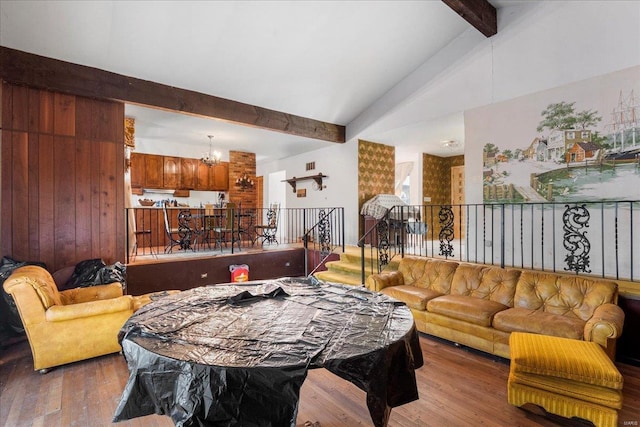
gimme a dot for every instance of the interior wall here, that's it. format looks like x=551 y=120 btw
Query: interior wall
x=436 y=184
x=340 y=163
x=62 y=198
x=240 y=163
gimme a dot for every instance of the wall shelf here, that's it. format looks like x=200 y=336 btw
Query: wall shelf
x=317 y=178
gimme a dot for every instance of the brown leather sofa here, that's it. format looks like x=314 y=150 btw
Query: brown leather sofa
x=479 y=306
x=70 y=325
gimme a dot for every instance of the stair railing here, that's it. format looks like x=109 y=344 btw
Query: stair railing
x=585 y=238
x=386 y=240
x=322 y=238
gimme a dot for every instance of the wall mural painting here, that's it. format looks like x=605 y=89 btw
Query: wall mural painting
x=576 y=143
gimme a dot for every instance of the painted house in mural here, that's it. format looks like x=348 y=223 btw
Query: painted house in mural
x=537 y=150
x=560 y=141
x=583 y=151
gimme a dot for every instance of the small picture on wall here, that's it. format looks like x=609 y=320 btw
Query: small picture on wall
x=301 y=192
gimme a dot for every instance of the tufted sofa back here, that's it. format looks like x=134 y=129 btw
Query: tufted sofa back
x=571 y=296
x=428 y=273
x=489 y=283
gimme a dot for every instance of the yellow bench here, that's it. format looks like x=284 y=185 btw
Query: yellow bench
x=566 y=377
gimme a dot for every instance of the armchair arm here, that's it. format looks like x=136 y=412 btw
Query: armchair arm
x=91 y=293
x=60 y=313
x=605 y=326
x=377 y=282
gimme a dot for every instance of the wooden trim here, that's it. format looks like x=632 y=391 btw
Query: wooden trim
x=24 y=68
x=479 y=13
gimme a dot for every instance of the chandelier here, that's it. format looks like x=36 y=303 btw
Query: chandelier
x=212 y=157
x=244 y=181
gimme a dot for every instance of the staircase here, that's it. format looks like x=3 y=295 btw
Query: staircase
x=348 y=269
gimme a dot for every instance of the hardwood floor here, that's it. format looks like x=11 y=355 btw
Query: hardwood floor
x=458 y=387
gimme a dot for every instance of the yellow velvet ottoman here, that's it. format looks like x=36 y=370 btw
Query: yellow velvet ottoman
x=566 y=377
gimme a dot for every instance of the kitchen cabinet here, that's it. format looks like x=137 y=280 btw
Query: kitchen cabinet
x=219 y=177
x=171 y=172
x=177 y=173
x=188 y=173
x=202 y=177
x=153 y=171
x=137 y=170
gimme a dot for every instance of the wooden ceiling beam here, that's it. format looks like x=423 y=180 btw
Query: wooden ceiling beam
x=24 y=68
x=479 y=13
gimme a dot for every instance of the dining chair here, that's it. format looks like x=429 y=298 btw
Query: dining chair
x=173 y=235
x=226 y=226
x=268 y=232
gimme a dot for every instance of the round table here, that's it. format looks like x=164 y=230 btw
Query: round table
x=237 y=354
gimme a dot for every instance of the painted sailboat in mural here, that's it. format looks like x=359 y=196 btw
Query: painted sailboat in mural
x=624 y=128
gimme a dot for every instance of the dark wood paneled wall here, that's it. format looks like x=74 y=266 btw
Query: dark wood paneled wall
x=62 y=195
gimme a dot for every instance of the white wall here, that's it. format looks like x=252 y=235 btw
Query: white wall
x=340 y=163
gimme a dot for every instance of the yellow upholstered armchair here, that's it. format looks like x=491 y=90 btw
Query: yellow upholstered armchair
x=71 y=325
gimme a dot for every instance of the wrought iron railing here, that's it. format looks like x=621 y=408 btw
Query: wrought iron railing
x=322 y=238
x=319 y=230
x=592 y=238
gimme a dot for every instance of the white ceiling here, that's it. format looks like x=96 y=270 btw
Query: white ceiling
x=326 y=60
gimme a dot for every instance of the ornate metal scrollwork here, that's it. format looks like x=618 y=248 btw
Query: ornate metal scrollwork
x=574 y=219
x=324 y=233
x=446 y=217
x=382 y=232
x=184 y=229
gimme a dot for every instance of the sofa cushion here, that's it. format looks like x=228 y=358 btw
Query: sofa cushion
x=428 y=273
x=469 y=309
x=489 y=283
x=572 y=296
x=539 y=322
x=413 y=296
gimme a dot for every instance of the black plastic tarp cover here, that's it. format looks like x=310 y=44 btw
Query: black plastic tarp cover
x=237 y=354
x=10 y=322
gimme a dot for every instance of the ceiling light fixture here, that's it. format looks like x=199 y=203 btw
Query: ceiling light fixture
x=451 y=144
x=212 y=157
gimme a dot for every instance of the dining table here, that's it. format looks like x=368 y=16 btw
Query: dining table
x=237 y=354
x=195 y=228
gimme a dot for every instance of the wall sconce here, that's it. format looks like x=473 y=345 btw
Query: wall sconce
x=244 y=181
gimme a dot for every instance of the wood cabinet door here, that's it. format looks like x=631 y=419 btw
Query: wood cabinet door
x=202 y=177
x=171 y=170
x=219 y=177
x=136 y=169
x=188 y=173
x=153 y=171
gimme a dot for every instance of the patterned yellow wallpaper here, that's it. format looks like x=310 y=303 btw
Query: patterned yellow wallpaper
x=376 y=170
x=436 y=183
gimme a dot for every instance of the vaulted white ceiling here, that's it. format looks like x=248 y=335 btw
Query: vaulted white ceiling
x=326 y=60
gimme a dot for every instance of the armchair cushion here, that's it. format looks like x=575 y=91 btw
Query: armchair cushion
x=47 y=294
x=92 y=293
x=60 y=313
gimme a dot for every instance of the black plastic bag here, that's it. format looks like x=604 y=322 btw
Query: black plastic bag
x=92 y=272
x=10 y=323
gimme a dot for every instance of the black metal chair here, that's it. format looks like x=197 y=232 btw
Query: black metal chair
x=268 y=232
x=227 y=227
x=173 y=234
